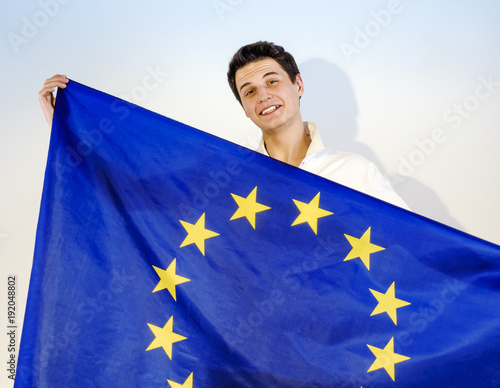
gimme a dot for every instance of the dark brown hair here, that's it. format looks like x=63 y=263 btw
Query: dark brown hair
x=256 y=51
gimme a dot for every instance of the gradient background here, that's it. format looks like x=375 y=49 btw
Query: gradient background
x=381 y=77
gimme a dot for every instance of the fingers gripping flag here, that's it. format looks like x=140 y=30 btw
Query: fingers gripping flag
x=168 y=257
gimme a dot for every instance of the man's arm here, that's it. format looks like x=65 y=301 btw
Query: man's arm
x=46 y=97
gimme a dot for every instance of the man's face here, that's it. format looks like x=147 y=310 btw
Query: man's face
x=268 y=96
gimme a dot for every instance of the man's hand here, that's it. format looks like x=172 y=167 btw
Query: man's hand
x=46 y=97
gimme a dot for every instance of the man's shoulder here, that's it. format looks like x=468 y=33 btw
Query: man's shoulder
x=354 y=171
x=347 y=168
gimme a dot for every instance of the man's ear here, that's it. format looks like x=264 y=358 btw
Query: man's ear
x=300 y=85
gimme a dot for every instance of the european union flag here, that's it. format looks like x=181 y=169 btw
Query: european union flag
x=168 y=257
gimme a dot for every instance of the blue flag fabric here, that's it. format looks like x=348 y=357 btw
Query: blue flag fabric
x=168 y=257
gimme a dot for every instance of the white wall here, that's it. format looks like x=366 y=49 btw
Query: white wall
x=412 y=85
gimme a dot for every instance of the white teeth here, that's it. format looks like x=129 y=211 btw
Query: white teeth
x=269 y=110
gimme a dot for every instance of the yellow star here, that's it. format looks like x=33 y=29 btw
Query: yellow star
x=248 y=207
x=169 y=279
x=165 y=337
x=388 y=303
x=197 y=234
x=386 y=358
x=362 y=248
x=310 y=212
x=187 y=384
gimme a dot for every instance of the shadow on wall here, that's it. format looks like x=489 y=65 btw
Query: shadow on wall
x=330 y=102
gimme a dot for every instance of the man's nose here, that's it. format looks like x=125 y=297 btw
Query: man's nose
x=264 y=95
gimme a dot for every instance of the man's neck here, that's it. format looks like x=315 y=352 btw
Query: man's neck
x=289 y=146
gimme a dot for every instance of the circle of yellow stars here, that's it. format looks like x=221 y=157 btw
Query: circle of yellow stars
x=310 y=213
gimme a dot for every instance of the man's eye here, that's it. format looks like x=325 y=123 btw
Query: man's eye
x=249 y=93
x=272 y=82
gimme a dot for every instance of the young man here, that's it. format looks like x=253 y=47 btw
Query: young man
x=266 y=81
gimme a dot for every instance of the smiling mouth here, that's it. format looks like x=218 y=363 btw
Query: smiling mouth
x=269 y=110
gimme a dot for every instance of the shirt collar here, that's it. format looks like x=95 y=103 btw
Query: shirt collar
x=311 y=131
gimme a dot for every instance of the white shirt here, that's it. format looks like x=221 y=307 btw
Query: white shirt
x=348 y=169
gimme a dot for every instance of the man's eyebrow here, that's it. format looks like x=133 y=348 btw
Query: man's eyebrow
x=245 y=84
x=264 y=76
x=270 y=73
